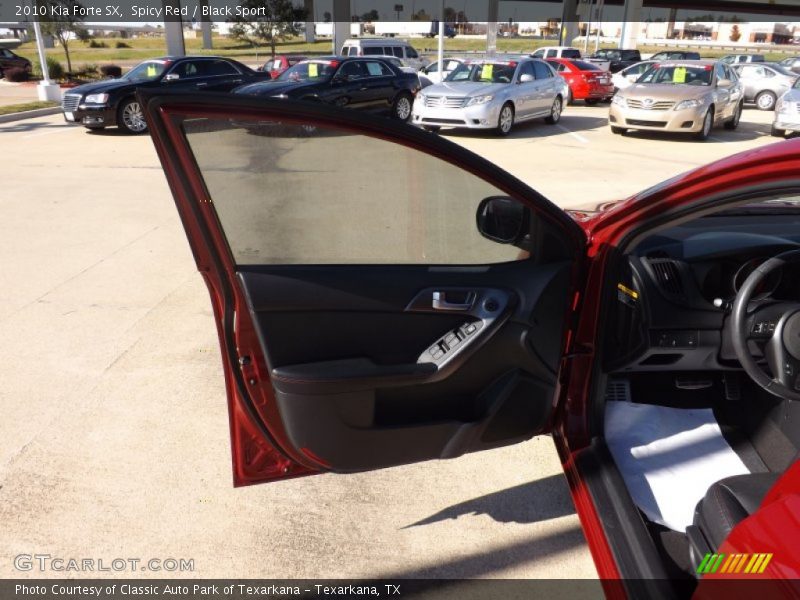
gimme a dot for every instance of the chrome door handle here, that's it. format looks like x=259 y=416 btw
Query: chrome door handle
x=440 y=302
x=201 y=84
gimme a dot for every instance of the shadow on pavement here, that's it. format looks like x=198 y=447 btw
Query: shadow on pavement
x=493 y=559
x=536 y=128
x=745 y=132
x=29 y=125
x=539 y=500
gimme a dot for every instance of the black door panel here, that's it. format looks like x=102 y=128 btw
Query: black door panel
x=346 y=349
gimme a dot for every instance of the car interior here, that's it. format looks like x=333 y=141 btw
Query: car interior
x=696 y=431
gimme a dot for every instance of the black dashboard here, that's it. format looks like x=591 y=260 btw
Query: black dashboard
x=677 y=287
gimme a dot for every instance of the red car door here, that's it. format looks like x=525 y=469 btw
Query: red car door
x=382 y=296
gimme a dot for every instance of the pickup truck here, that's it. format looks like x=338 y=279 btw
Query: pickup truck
x=613 y=59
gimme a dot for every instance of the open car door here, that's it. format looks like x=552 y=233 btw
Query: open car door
x=382 y=295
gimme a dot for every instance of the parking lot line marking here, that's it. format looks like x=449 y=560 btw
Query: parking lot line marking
x=715 y=138
x=577 y=136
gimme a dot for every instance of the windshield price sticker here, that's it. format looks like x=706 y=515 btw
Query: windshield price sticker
x=313 y=70
x=487 y=72
x=679 y=75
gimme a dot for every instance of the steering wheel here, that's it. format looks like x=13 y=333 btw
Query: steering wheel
x=777 y=325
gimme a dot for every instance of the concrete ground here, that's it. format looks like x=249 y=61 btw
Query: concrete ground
x=17 y=93
x=114 y=436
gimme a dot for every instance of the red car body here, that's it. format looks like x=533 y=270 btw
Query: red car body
x=278 y=64
x=586 y=82
x=261 y=446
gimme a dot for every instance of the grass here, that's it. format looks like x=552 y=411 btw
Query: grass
x=15 y=108
x=150 y=47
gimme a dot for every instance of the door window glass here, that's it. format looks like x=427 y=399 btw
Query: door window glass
x=221 y=67
x=373 y=51
x=376 y=69
x=283 y=195
x=411 y=53
x=527 y=69
x=541 y=70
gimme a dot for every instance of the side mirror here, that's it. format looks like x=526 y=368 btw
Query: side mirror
x=723 y=82
x=525 y=78
x=503 y=220
x=171 y=77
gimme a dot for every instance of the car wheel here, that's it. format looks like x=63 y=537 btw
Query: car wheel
x=766 y=101
x=555 y=111
x=591 y=102
x=708 y=124
x=505 y=122
x=618 y=130
x=401 y=109
x=775 y=132
x=131 y=117
x=737 y=116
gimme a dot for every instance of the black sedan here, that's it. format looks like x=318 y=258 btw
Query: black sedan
x=113 y=101
x=368 y=83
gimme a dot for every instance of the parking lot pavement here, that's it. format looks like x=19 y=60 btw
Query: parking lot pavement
x=114 y=437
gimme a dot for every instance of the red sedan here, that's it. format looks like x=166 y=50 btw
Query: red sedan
x=586 y=81
x=278 y=64
x=656 y=339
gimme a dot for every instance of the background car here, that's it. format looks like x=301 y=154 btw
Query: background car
x=764 y=83
x=680 y=97
x=792 y=63
x=675 y=55
x=586 y=81
x=372 y=84
x=278 y=64
x=384 y=47
x=556 y=52
x=113 y=101
x=787 y=112
x=430 y=74
x=399 y=63
x=628 y=76
x=732 y=59
x=493 y=95
x=610 y=59
x=9 y=60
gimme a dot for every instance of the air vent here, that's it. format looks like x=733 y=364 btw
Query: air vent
x=618 y=390
x=668 y=276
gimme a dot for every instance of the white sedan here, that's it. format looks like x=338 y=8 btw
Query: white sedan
x=627 y=77
x=430 y=74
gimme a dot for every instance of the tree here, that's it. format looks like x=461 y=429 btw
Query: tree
x=276 y=21
x=62 y=23
x=370 y=16
x=736 y=35
x=421 y=15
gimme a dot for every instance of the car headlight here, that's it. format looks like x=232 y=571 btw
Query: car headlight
x=688 y=104
x=479 y=100
x=421 y=97
x=96 y=99
x=619 y=100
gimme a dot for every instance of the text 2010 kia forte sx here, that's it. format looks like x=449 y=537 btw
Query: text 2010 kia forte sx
x=658 y=340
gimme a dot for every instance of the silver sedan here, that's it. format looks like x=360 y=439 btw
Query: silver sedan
x=764 y=83
x=492 y=94
x=787 y=112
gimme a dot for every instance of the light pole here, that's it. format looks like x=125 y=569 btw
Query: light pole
x=47 y=90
